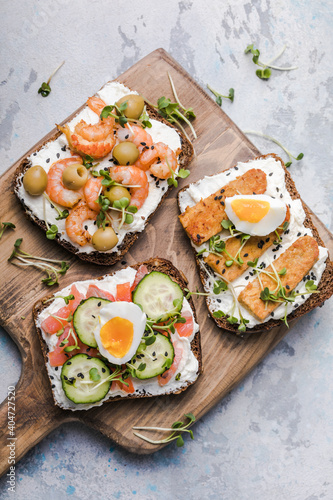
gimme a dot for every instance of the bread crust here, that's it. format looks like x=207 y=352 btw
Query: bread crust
x=154 y=264
x=103 y=258
x=325 y=287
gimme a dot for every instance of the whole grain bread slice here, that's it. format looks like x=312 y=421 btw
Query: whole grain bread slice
x=325 y=287
x=154 y=264
x=103 y=258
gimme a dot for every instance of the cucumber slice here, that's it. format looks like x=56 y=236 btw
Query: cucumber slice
x=152 y=360
x=76 y=378
x=85 y=319
x=158 y=296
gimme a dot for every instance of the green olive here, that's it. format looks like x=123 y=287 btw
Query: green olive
x=126 y=153
x=114 y=193
x=75 y=176
x=104 y=239
x=35 y=180
x=135 y=105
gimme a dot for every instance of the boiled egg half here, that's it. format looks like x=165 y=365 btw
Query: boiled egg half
x=257 y=215
x=119 y=331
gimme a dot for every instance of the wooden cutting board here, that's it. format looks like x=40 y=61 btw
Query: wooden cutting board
x=226 y=358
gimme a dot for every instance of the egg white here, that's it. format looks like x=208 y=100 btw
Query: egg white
x=126 y=310
x=271 y=221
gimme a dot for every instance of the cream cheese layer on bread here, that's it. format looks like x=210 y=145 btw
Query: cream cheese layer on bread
x=58 y=149
x=186 y=373
x=276 y=188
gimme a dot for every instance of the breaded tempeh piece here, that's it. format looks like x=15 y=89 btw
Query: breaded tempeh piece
x=203 y=220
x=253 y=248
x=297 y=259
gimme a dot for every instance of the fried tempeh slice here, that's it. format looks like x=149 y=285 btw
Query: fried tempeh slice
x=297 y=259
x=203 y=220
x=253 y=248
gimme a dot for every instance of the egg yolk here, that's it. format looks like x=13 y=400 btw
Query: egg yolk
x=250 y=210
x=117 y=336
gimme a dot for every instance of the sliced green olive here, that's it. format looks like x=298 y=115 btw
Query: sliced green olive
x=104 y=239
x=75 y=176
x=126 y=153
x=135 y=105
x=35 y=180
x=114 y=193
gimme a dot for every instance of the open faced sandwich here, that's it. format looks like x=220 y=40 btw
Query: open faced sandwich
x=94 y=185
x=129 y=334
x=259 y=256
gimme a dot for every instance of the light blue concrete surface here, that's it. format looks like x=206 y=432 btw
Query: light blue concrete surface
x=271 y=438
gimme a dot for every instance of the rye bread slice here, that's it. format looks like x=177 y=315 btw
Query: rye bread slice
x=154 y=264
x=103 y=258
x=325 y=287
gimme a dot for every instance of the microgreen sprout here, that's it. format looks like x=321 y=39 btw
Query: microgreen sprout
x=45 y=88
x=41 y=263
x=182 y=173
x=144 y=119
x=229 y=315
x=176 y=429
x=219 y=97
x=88 y=162
x=265 y=72
x=6 y=225
x=217 y=246
x=51 y=233
x=126 y=211
x=117 y=375
x=268 y=137
x=67 y=298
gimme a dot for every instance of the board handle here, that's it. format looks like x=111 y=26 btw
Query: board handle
x=25 y=418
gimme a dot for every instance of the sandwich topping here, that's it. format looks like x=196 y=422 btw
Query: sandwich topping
x=129 y=333
x=104 y=176
x=254 y=244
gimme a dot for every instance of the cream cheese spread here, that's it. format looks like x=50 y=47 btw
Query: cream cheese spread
x=276 y=187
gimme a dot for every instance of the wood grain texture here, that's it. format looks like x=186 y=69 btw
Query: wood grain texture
x=227 y=359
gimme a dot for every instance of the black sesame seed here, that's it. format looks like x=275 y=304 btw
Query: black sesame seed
x=66 y=378
x=228 y=173
x=63 y=148
x=67 y=355
x=270 y=174
x=247 y=277
x=236 y=168
x=154 y=354
x=246 y=255
x=287 y=287
x=86 y=228
x=223 y=271
x=127 y=163
x=88 y=348
x=272 y=314
x=277 y=189
x=166 y=354
x=303 y=296
x=99 y=304
x=314 y=278
x=114 y=132
x=127 y=136
x=106 y=169
x=58 y=155
x=215 y=198
x=53 y=386
x=296 y=305
x=89 y=357
x=35 y=154
x=48 y=160
x=56 y=368
x=69 y=363
x=222 y=203
x=123 y=262
x=198 y=236
x=51 y=377
x=238 y=237
x=134 y=361
x=163 y=188
x=281 y=195
x=222 y=191
x=95 y=223
x=267 y=240
x=274 y=256
x=220 y=197
x=153 y=147
x=103 y=370
x=217 y=262
x=219 y=301
x=143 y=143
